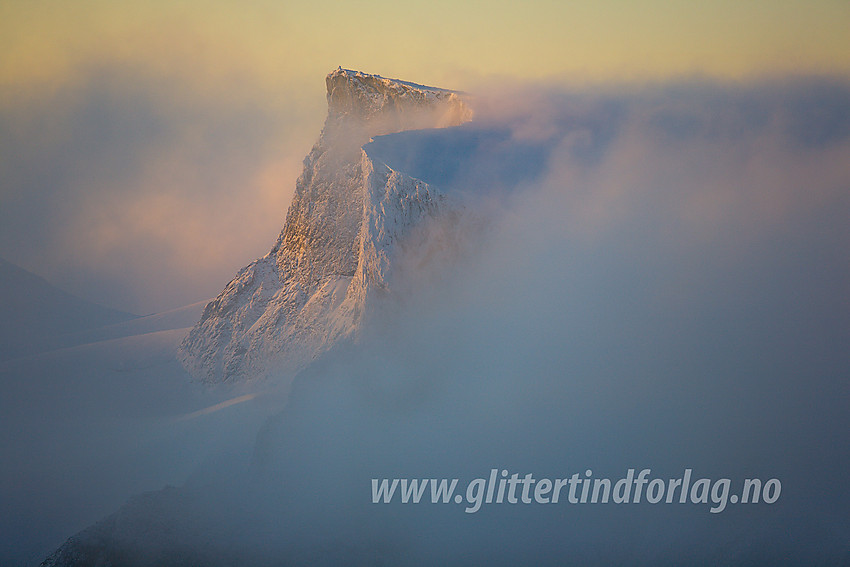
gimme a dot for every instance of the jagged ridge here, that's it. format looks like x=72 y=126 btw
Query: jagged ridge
x=336 y=249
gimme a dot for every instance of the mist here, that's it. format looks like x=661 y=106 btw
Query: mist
x=668 y=292
x=131 y=188
x=641 y=277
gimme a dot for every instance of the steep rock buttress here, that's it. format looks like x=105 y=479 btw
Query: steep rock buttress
x=335 y=252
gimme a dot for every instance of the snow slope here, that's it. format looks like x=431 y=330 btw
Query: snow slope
x=87 y=427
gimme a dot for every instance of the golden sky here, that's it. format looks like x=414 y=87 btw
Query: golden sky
x=438 y=41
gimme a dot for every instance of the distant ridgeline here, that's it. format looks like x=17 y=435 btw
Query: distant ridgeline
x=37 y=316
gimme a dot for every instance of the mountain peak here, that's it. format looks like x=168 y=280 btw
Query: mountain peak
x=366 y=78
x=337 y=250
x=398 y=105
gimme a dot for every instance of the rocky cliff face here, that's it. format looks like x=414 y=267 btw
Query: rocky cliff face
x=335 y=253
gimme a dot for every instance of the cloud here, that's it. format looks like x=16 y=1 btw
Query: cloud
x=670 y=292
x=134 y=190
x=655 y=278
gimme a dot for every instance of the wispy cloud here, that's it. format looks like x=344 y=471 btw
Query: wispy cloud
x=660 y=282
x=136 y=194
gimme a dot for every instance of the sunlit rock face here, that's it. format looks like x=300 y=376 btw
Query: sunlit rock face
x=335 y=254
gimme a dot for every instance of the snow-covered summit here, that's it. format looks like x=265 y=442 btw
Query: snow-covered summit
x=343 y=231
x=363 y=96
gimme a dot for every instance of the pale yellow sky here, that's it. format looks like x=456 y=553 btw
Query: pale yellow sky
x=444 y=42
